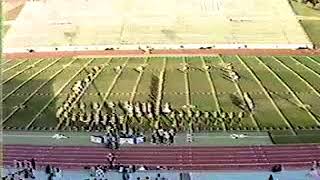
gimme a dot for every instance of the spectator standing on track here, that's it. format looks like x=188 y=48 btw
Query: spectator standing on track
x=22 y=164
x=130 y=176
x=125 y=175
x=111 y=159
x=117 y=166
x=315 y=164
x=53 y=170
x=58 y=174
x=48 y=169
x=27 y=164
x=270 y=177
x=99 y=174
x=158 y=177
x=33 y=164
x=314 y=173
x=51 y=176
x=121 y=168
x=133 y=168
x=30 y=173
x=142 y=168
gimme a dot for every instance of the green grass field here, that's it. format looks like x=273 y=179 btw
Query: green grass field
x=303 y=10
x=284 y=91
x=312 y=27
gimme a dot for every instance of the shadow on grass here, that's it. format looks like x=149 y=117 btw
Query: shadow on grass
x=154 y=86
x=21 y=106
x=238 y=102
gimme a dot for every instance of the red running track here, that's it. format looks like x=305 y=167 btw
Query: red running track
x=167 y=52
x=176 y=157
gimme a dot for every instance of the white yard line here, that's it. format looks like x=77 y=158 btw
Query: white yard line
x=7 y=61
x=36 y=90
x=30 y=78
x=187 y=87
x=57 y=93
x=105 y=97
x=288 y=88
x=161 y=86
x=254 y=121
x=268 y=95
x=15 y=65
x=84 y=90
x=213 y=92
x=299 y=76
x=134 y=90
x=314 y=61
x=4 y=62
x=305 y=66
x=20 y=72
x=307 y=84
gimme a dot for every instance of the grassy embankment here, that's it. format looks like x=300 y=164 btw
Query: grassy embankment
x=311 y=26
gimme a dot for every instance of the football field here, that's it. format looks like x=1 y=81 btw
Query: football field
x=218 y=93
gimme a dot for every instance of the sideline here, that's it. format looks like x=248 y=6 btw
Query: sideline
x=83 y=139
x=82 y=136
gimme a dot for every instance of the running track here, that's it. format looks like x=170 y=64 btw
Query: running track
x=181 y=52
x=176 y=157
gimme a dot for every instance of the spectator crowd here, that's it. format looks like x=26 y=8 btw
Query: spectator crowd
x=23 y=170
x=99 y=172
x=315 y=170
